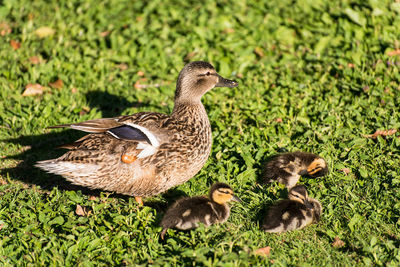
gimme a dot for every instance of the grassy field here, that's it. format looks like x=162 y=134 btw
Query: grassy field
x=314 y=75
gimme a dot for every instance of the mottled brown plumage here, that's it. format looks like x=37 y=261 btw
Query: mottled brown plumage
x=170 y=149
x=187 y=213
x=287 y=168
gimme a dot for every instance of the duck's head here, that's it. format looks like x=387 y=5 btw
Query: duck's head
x=299 y=194
x=196 y=79
x=222 y=193
x=317 y=168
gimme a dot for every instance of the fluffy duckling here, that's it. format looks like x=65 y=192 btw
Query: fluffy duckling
x=146 y=153
x=187 y=213
x=288 y=167
x=294 y=213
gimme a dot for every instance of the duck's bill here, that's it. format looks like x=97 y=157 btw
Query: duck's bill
x=222 y=82
x=235 y=198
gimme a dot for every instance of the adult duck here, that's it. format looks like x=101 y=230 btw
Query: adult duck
x=146 y=153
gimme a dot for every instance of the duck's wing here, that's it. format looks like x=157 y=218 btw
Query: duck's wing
x=142 y=127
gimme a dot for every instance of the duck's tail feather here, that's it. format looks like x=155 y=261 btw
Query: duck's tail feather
x=66 y=168
x=91 y=126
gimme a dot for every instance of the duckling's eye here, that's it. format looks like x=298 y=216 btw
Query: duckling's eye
x=225 y=192
x=208 y=73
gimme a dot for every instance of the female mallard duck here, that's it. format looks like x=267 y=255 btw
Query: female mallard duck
x=294 y=213
x=187 y=213
x=288 y=167
x=146 y=153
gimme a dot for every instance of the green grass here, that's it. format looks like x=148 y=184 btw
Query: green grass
x=323 y=67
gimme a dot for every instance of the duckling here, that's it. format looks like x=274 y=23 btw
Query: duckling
x=288 y=167
x=146 y=153
x=294 y=213
x=187 y=213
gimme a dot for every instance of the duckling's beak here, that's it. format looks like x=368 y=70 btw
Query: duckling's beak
x=235 y=198
x=222 y=82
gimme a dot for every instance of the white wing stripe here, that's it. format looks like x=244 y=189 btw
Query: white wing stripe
x=113 y=134
x=153 y=140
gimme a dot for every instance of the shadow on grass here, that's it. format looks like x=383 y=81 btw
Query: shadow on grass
x=112 y=105
x=36 y=148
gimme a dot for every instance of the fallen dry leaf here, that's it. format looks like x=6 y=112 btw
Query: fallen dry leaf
x=3 y=182
x=278 y=120
x=36 y=60
x=259 y=51
x=228 y=30
x=33 y=89
x=45 y=31
x=57 y=84
x=338 y=243
x=92 y=198
x=81 y=211
x=4 y=28
x=381 y=133
x=393 y=53
x=1 y=226
x=74 y=90
x=345 y=170
x=266 y=251
x=15 y=45
x=140 y=73
x=137 y=85
x=105 y=33
x=122 y=66
x=350 y=65
x=84 y=111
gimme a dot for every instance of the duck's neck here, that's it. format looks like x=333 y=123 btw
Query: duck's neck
x=191 y=111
